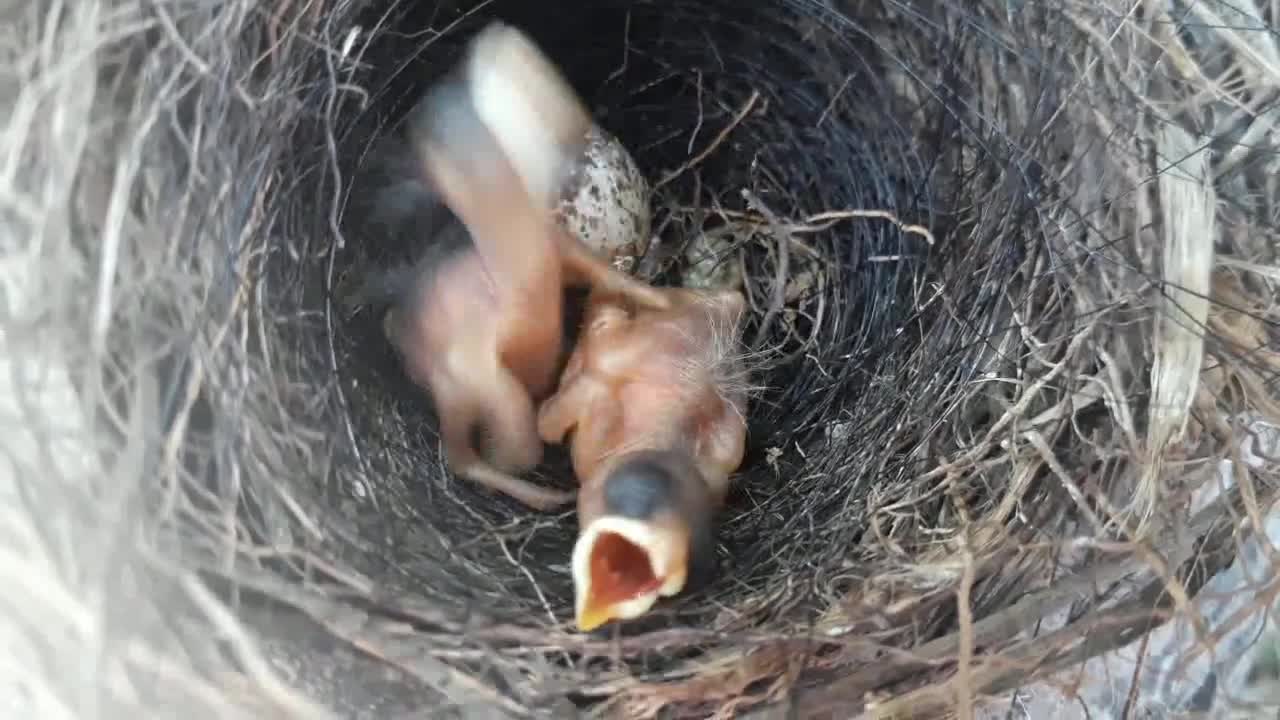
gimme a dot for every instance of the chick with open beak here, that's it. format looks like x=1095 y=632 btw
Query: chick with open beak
x=653 y=403
x=481 y=324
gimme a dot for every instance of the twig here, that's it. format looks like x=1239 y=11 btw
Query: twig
x=626 y=50
x=719 y=139
x=246 y=651
x=834 y=99
x=338 y=241
x=1131 y=701
x=964 y=611
x=783 y=239
x=828 y=219
x=537 y=588
x=697 y=126
x=1011 y=621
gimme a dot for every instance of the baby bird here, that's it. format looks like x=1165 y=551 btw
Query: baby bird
x=654 y=407
x=481 y=326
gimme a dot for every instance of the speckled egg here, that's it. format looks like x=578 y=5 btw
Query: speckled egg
x=605 y=201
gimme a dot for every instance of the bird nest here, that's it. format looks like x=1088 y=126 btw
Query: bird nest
x=1005 y=310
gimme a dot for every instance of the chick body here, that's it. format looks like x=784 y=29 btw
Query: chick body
x=654 y=407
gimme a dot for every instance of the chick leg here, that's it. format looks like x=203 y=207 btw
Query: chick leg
x=602 y=418
x=588 y=409
x=512 y=420
x=561 y=413
x=458 y=416
x=538 y=498
x=584 y=268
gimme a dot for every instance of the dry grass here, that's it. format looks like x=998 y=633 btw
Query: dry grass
x=1012 y=267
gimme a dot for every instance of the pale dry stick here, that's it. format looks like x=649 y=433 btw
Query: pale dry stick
x=1019 y=408
x=626 y=50
x=834 y=216
x=964 y=611
x=1171 y=42
x=195 y=383
x=537 y=589
x=240 y=298
x=834 y=98
x=1048 y=601
x=715 y=143
x=432 y=672
x=1069 y=98
x=1019 y=485
x=55 y=598
x=828 y=219
x=1027 y=660
x=1161 y=566
x=1073 y=489
x=338 y=242
x=1268 y=271
x=1265 y=597
x=213 y=693
x=1264 y=60
x=32 y=682
x=783 y=269
x=815 y=322
x=1171 y=47
x=175 y=37
x=910 y=503
x=350 y=580
x=1244 y=481
x=1131 y=701
x=1116 y=400
x=697 y=127
x=1254 y=137
x=33 y=101
x=118 y=207
x=1187 y=203
x=245 y=651
x=1081 y=399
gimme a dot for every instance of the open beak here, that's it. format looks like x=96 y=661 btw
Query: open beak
x=621 y=567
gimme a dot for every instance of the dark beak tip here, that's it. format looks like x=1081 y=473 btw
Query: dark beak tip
x=640 y=490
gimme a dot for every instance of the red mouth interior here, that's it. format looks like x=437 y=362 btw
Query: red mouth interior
x=620 y=570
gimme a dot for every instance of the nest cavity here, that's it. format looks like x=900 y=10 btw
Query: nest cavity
x=970 y=276
x=836 y=327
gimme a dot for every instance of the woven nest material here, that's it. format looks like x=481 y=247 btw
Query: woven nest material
x=1012 y=275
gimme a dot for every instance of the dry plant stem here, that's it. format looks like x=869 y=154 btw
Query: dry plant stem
x=338 y=242
x=1103 y=630
x=410 y=658
x=1134 y=686
x=784 y=239
x=964 y=608
x=1008 y=623
x=828 y=219
x=291 y=703
x=1266 y=271
x=1188 y=222
x=715 y=143
x=1252 y=47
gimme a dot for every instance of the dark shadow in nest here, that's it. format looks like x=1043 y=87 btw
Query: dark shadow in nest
x=852 y=392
